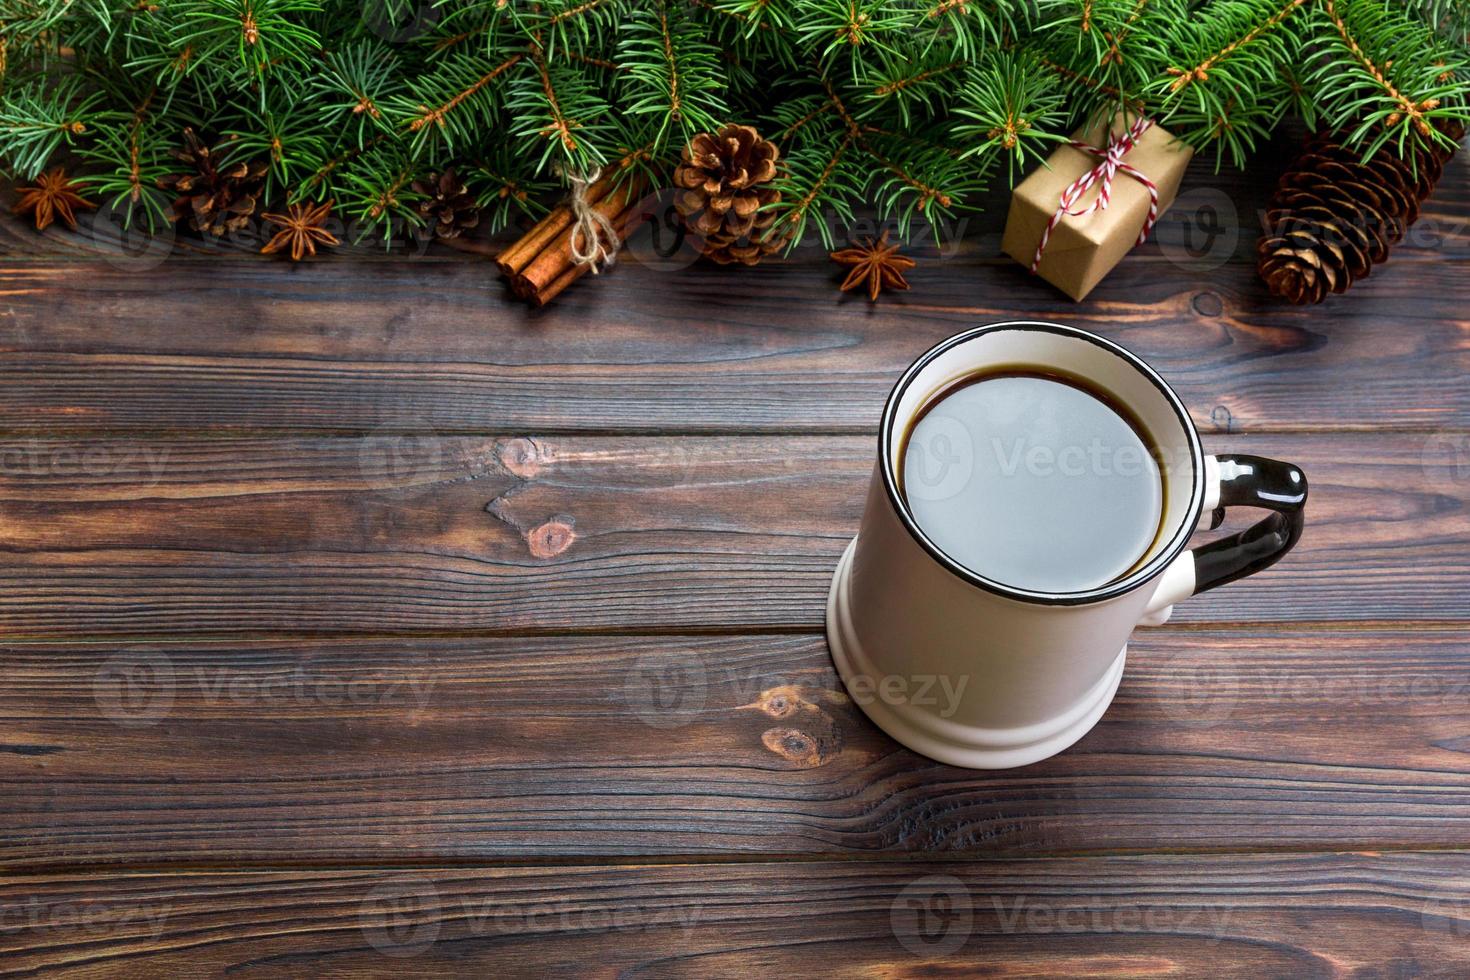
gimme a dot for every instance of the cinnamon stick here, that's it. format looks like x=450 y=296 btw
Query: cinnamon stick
x=515 y=258
x=575 y=271
x=551 y=270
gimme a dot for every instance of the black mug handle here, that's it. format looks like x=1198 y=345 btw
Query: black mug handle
x=1252 y=481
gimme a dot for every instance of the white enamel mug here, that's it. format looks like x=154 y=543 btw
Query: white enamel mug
x=977 y=673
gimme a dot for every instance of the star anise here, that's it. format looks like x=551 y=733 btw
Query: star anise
x=301 y=228
x=53 y=196
x=875 y=262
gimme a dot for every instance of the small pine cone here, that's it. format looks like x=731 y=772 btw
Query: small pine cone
x=1334 y=216
x=448 y=208
x=724 y=194
x=213 y=199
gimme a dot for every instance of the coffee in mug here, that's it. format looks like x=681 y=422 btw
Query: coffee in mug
x=1034 y=478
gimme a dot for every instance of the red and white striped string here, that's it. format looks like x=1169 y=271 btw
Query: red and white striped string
x=1111 y=164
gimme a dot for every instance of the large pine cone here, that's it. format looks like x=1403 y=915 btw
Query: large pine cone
x=447 y=206
x=1334 y=216
x=724 y=182
x=213 y=200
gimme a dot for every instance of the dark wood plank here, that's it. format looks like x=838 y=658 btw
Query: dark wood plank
x=518 y=534
x=430 y=344
x=1367 y=915
x=435 y=749
x=194 y=334
x=434 y=346
x=154 y=516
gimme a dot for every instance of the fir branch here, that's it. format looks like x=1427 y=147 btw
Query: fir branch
x=912 y=105
x=1418 y=65
x=436 y=116
x=286 y=133
x=321 y=180
x=355 y=82
x=560 y=127
x=38 y=118
x=906 y=82
x=908 y=181
x=921 y=194
x=565 y=25
x=595 y=62
x=676 y=97
x=673 y=72
x=811 y=191
x=851 y=25
x=1010 y=112
x=500 y=193
x=386 y=199
x=965 y=27
x=1070 y=75
x=560 y=109
x=1116 y=37
x=753 y=15
x=381 y=195
x=1414 y=110
x=1448 y=18
x=842 y=113
x=452 y=40
x=1201 y=71
x=130 y=151
x=1107 y=48
x=917 y=87
x=798 y=117
x=261 y=35
x=1222 y=82
x=586 y=6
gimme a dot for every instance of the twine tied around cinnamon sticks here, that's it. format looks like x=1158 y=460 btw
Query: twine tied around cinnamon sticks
x=591 y=227
x=580 y=235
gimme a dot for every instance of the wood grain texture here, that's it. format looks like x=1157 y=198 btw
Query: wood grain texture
x=356 y=344
x=354 y=578
x=1333 y=915
x=427 y=346
x=441 y=749
x=534 y=534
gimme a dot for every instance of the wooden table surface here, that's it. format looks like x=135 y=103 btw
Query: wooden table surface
x=358 y=621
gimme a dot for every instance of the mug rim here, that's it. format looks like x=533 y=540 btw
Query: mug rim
x=1109 y=590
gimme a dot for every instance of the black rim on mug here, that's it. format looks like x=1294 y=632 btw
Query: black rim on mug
x=1148 y=570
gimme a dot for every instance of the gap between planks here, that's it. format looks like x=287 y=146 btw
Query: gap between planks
x=728 y=859
x=1414 y=626
x=842 y=432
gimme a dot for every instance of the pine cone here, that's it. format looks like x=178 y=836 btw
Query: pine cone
x=214 y=200
x=723 y=185
x=447 y=206
x=1333 y=216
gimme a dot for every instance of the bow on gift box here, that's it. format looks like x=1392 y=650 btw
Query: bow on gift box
x=1112 y=163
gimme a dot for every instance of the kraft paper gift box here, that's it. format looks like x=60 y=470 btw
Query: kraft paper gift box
x=1083 y=249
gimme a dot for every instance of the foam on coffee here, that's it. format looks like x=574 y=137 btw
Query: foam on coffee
x=1033 y=479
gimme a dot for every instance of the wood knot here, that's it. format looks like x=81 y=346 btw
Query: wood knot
x=523 y=457
x=778 y=706
x=787 y=699
x=778 y=702
x=793 y=746
x=552 y=538
x=1208 y=304
x=818 y=741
